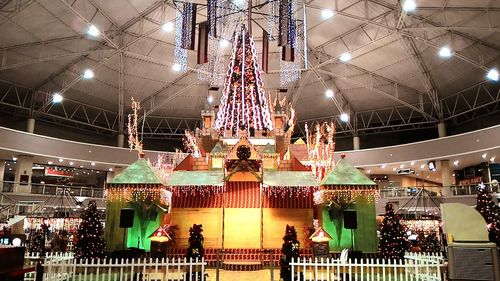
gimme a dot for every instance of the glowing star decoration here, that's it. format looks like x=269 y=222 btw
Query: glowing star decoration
x=320 y=149
x=244 y=105
x=190 y=143
x=134 y=142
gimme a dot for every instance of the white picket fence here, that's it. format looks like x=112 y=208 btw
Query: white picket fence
x=415 y=267
x=66 y=268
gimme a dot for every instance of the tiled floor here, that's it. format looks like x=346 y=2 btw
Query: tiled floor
x=260 y=275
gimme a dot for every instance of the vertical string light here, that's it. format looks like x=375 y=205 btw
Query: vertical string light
x=212 y=17
x=180 y=54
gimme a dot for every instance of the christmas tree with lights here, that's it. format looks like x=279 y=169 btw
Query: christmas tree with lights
x=289 y=250
x=490 y=212
x=37 y=242
x=90 y=243
x=244 y=104
x=393 y=243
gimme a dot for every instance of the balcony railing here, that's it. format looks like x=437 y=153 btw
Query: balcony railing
x=51 y=189
x=456 y=190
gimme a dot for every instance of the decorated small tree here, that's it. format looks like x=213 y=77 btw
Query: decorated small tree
x=289 y=250
x=195 y=250
x=490 y=212
x=90 y=242
x=37 y=242
x=393 y=242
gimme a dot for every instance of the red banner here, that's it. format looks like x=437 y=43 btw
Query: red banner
x=58 y=173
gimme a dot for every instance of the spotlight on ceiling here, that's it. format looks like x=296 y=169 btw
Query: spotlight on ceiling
x=492 y=159
x=49 y=162
x=223 y=43
x=345 y=57
x=93 y=31
x=493 y=74
x=88 y=74
x=210 y=99
x=344 y=117
x=167 y=27
x=71 y=163
x=484 y=155
x=409 y=5
x=57 y=98
x=60 y=160
x=329 y=93
x=326 y=13
x=445 y=52
x=14 y=159
x=456 y=162
x=432 y=166
x=176 y=67
x=239 y=3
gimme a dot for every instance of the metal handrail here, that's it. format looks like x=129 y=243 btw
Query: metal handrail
x=50 y=189
x=456 y=190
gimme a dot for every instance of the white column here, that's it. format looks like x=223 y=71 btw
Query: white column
x=446 y=177
x=442 y=129
x=30 y=125
x=24 y=170
x=2 y=172
x=120 y=140
x=355 y=143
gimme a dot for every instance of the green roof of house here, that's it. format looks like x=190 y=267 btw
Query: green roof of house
x=269 y=148
x=289 y=178
x=345 y=174
x=139 y=172
x=196 y=178
x=217 y=149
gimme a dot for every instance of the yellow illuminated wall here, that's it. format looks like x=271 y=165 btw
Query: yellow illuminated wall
x=210 y=218
x=242 y=228
x=275 y=221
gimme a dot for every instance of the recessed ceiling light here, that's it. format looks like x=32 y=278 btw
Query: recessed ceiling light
x=428 y=177
x=492 y=159
x=57 y=98
x=493 y=74
x=437 y=179
x=401 y=166
x=369 y=171
x=418 y=174
x=329 y=93
x=326 y=13
x=14 y=158
x=409 y=5
x=167 y=27
x=93 y=164
x=422 y=166
x=383 y=166
x=81 y=166
x=60 y=160
x=412 y=163
x=344 y=117
x=484 y=155
x=88 y=74
x=93 y=31
x=456 y=162
x=176 y=67
x=110 y=169
x=71 y=163
x=394 y=169
x=210 y=99
x=345 y=57
x=239 y=2
x=223 y=43
x=445 y=52
x=49 y=162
